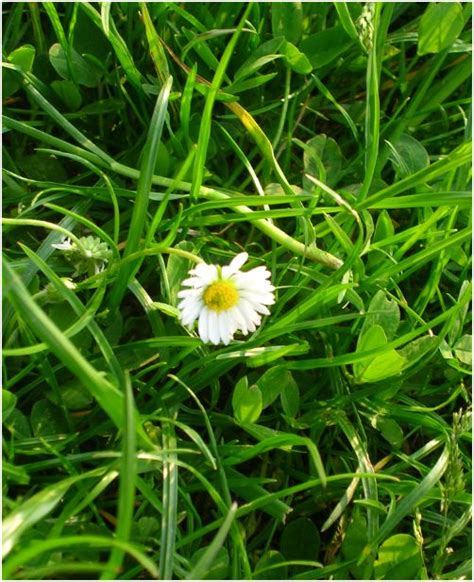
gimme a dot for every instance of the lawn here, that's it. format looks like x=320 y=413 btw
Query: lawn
x=237 y=285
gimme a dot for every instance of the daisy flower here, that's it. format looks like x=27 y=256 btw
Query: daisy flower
x=225 y=299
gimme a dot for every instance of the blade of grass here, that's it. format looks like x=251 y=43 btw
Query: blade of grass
x=29 y=553
x=205 y=127
x=36 y=508
x=170 y=500
x=137 y=223
x=458 y=157
x=372 y=111
x=201 y=568
x=128 y=471
x=106 y=394
x=408 y=503
x=107 y=26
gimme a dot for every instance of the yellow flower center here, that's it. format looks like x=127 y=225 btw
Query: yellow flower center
x=220 y=296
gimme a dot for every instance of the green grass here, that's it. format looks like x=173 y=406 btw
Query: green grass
x=330 y=141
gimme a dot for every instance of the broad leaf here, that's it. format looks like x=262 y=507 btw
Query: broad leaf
x=246 y=401
x=440 y=26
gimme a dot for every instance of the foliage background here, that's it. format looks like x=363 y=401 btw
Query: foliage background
x=332 y=142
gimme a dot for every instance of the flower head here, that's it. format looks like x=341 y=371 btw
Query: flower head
x=225 y=299
x=91 y=257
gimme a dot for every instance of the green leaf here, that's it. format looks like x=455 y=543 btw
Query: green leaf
x=324 y=47
x=416 y=349
x=290 y=397
x=389 y=364
x=148 y=527
x=18 y=424
x=23 y=57
x=47 y=419
x=322 y=150
x=69 y=93
x=399 y=558
x=463 y=349
x=287 y=20
x=246 y=401
x=383 y=312
x=390 y=430
x=73 y=395
x=354 y=542
x=295 y=59
x=272 y=383
x=269 y=560
x=8 y=404
x=83 y=72
x=440 y=26
x=384 y=227
x=383 y=366
x=265 y=53
x=408 y=155
x=300 y=540
x=445 y=350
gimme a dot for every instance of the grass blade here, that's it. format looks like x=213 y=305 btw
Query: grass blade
x=205 y=561
x=137 y=223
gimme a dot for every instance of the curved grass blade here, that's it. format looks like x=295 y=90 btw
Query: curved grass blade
x=65 y=542
x=106 y=394
x=36 y=508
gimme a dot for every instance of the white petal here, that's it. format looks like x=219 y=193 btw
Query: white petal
x=194 y=282
x=264 y=298
x=205 y=272
x=261 y=308
x=204 y=325
x=238 y=261
x=259 y=272
x=214 y=334
x=184 y=293
x=250 y=312
x=191 y=312
x=250 y=282
x=252 y=318
x=238 y=320
x=255 y=285
x=250 y=325
x=225 y=327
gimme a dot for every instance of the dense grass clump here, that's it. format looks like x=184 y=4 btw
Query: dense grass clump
x=332 y=143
